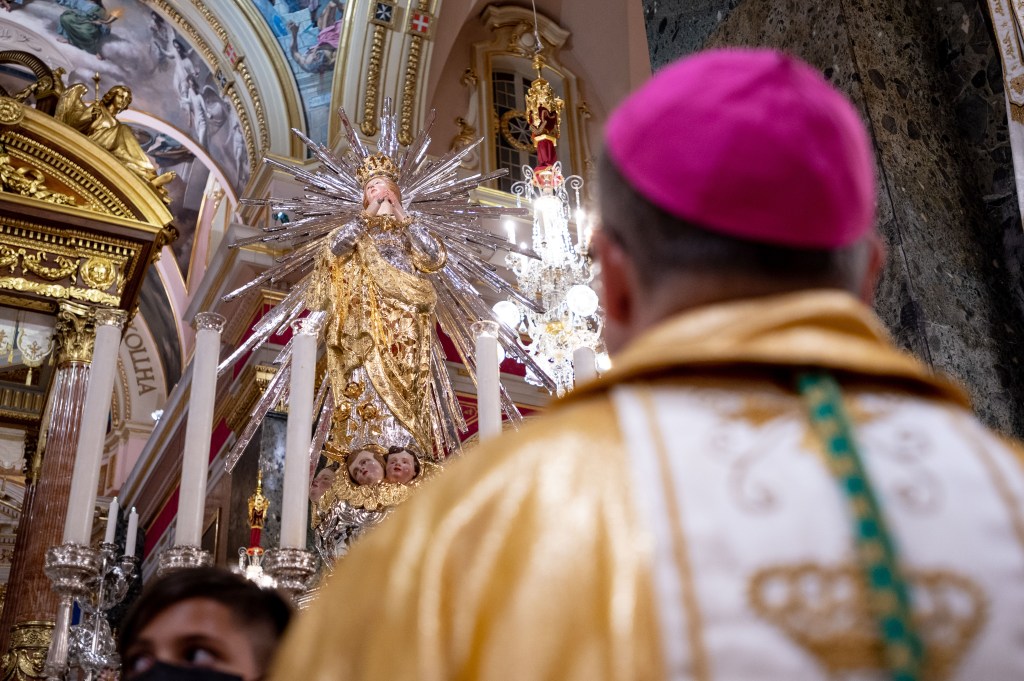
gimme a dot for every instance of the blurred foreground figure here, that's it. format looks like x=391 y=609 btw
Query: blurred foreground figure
x=762 y=488
x=202 y=624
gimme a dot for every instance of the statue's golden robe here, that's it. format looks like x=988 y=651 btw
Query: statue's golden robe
x=543 y=555
x=379 y=337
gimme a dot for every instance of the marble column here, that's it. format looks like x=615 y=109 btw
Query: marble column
x=32 y=600
x=32 y=465
x=266 y=451
x=928 y=81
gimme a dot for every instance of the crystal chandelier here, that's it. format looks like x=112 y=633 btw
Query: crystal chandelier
x=559 y=278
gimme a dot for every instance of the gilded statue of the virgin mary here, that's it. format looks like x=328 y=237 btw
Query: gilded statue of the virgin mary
x=390 y=241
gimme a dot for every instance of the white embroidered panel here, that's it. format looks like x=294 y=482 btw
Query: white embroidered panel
x=768 y=542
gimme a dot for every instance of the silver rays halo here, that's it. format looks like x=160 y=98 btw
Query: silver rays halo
x=435 y=196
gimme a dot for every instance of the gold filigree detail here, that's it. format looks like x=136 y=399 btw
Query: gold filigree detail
x=825 y=610
x=99 y=273
x=372 y=97
x=11 y=112
x=379 y=224
x=75 y=332
x=26 y=659
x=380 y=319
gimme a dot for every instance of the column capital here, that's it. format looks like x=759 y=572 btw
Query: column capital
x=306 y=327
x=209 y=320
x=75 y=332
x=106 y=316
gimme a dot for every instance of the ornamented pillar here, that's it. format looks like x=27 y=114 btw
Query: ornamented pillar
x=31 y=600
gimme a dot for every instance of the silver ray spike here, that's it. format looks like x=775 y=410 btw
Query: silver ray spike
x=354 y=142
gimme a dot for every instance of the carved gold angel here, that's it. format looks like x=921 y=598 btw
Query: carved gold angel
x=98 y=121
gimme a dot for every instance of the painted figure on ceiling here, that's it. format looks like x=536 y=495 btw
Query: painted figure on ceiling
x=84 y=24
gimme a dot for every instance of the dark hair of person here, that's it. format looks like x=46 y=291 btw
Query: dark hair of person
x=262 y=612
x=660 y=245
x=415 y=459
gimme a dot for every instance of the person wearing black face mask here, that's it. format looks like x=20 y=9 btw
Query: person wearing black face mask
x=202 y=624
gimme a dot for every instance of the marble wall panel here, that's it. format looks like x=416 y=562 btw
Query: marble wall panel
x=927 y=80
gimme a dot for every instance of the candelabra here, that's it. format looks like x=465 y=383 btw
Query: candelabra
x=291 y=569
x=559 y=278
x=183 y=556
x=97 y=580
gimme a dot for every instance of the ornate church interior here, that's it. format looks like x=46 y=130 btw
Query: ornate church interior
x=182 y=373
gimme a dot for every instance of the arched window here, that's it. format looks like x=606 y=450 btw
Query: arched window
x=513 y=147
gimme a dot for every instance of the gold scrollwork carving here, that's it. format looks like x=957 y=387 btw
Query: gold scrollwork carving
x=412 y=70
x=98 y=196
x=65 y=266
x=11 y=112
x=9 y=257
x=99 y=272
x=26 y=659
x=69 y=248
x=75 y=331
x=465 y=136
x=28 y=181
x=369 y=124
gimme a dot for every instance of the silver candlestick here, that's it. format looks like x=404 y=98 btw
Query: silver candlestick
x=292 y=569
x=92 y=645
x=183 y=556
x=97 y=580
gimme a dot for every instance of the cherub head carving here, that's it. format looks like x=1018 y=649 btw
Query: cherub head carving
x=401 y=465
x=365 y=465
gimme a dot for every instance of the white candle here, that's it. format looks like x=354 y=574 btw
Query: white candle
x=133 y=531
x=295 y=496
x=584 y=366
x=487 y=380
x=108 y=538
x=195 y=461
x=85 y=478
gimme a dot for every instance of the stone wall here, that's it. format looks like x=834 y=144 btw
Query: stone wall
x=926 y=77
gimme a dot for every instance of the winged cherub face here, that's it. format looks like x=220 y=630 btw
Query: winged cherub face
x=400 y=467
x=365 y=469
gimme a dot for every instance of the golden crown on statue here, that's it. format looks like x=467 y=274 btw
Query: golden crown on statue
x=377 y=165
x=826 y=611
